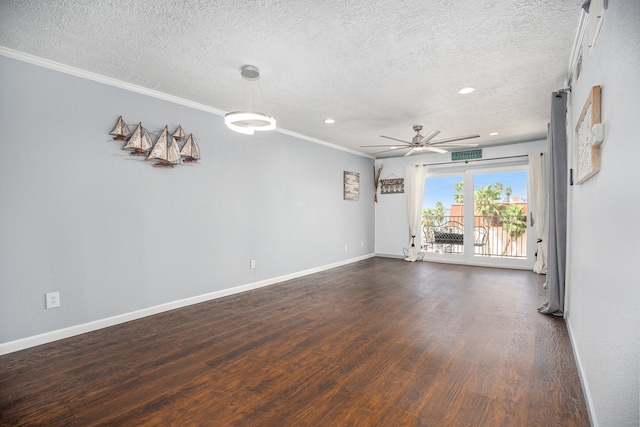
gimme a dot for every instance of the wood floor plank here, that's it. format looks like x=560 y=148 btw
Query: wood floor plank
x=377 y=342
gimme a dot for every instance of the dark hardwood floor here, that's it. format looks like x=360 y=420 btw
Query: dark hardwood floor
x=381 y=342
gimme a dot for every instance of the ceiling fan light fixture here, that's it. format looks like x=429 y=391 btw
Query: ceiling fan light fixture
x=466 y=90
x=420 y=143
x=493 y=133
x=329 y=121
x=247 y=122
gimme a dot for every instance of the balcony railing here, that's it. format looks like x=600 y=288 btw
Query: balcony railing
x=494 y=236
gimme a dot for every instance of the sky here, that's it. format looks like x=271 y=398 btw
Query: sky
x=442 y=188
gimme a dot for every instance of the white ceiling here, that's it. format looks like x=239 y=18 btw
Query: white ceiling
x=377 y=67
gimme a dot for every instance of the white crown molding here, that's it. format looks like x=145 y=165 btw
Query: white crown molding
x=321 y=142
x=583 y=22
x=45 y=63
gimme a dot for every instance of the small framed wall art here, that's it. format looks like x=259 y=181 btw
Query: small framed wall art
x=587 y=152
x=351 y=185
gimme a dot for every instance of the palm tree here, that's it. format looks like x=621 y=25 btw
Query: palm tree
x=431 y=217
x=459 y=196
x=487 y=204
x=508 y=192
x=487 y=201
x=514 y=222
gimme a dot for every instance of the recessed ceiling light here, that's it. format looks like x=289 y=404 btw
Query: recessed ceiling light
x=329 y=121
x=493 y=133
x=466 y=90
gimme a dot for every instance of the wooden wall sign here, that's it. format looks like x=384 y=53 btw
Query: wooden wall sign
x=392 y=186
x=467 y=154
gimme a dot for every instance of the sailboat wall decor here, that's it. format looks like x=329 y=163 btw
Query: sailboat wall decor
x=166 y=149
x=121 y=131
x=140 y=141
x=190 y=151
x=179 y=134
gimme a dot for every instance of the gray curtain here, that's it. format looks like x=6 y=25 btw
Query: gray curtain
x=557 y=182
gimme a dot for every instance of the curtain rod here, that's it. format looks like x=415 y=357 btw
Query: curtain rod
x=475 y=160
x=559 y=92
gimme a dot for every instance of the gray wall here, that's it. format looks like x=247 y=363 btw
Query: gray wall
x=114 y=235
x=603 y=286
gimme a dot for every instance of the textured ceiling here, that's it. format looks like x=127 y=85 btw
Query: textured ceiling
x=377 y=67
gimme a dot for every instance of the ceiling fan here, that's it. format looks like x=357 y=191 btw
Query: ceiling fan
x=421 y=143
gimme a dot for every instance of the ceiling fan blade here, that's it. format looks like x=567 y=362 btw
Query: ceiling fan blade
x=410 y=152
x=454 y=144
x=389 y=145
x=393 y=149
x=457 y=138
x=435 y=149
x=428 y=137
x=395 y=139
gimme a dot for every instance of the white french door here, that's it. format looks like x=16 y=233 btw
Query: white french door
x=477 y=215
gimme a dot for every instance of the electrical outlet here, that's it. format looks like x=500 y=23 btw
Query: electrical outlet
x=53 y=299
x=362 y=243
x=252 y=264
x=345 y=248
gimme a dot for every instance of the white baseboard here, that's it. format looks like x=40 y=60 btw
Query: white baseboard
x=47 y=337
x=390 y=256
x=583 y=379
x=457 y=262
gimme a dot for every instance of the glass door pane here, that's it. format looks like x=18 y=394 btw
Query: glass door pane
x=443 y=215
x=500 y=214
